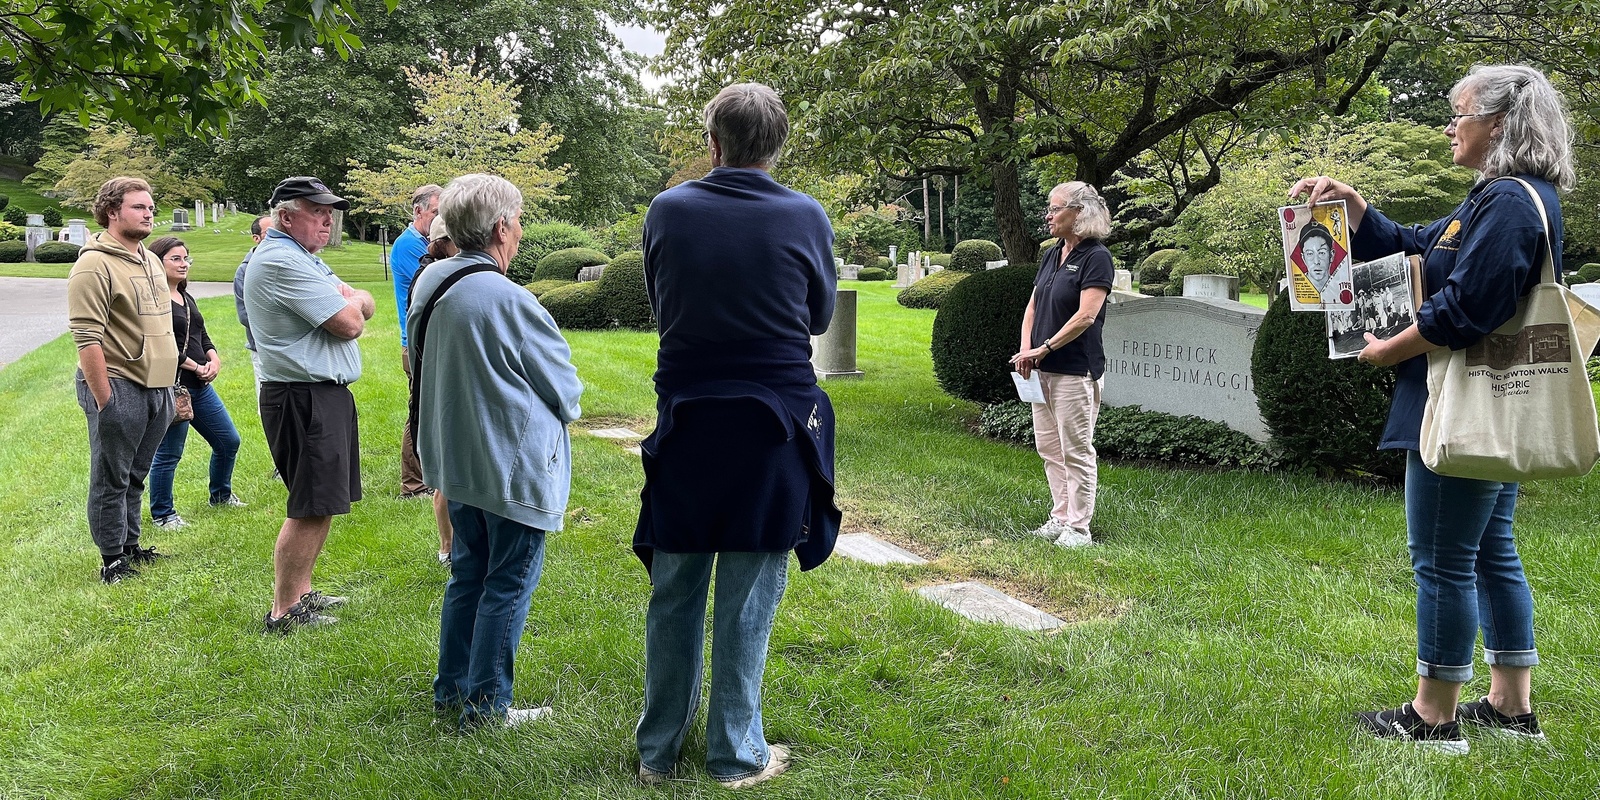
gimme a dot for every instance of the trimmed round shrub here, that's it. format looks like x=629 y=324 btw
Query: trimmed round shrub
x=1153 y=289
x=1324 y=414
x=627 y=303
x=12 y=233
x=1157 y=267
x=1590 y=273
x=540 y=287
x=52 y=216
x=930 y=291
x=1047 y=244
x=576 y=307
x=972 y=254
x=13 y=252
x=872 y=274
x=939 y=259
x=883 y=263
x=975 y=333
x=5 y=200
x=542 y=239
x=564 y=264
x=55 y=253
x=15 y=215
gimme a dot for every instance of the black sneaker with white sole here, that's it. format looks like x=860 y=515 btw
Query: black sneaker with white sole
x=1483 y=714
x=143 y=555
x=1404 y=724
x=118 y=571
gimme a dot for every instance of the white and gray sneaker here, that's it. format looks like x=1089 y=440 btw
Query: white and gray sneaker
x=1074 y=537
x=1051 y=530
x=518 y=716
x=171 y=522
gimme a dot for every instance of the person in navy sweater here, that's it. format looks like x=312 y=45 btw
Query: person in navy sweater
x=1508 y=123
x=739 y=469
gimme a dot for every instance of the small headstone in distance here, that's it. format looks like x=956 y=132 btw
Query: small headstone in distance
x=616 y=433
x=871 y=549
x=982 y=603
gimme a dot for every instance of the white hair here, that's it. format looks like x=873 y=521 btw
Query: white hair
x=473 y=204
x=1535 y=135
x=1094 y=220
x=750 y=123
x=293 y=205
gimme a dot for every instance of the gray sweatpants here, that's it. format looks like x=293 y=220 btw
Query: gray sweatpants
x=123 y=439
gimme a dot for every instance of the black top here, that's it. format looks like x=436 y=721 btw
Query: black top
x=199 y=341
x=1057 y=291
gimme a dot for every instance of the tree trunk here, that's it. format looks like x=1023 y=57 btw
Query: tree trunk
x=1016 y=236
x=927 y=214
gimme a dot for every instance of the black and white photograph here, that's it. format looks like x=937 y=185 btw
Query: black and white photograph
x=1385 y=303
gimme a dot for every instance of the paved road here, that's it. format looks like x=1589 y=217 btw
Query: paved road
x=33 y=311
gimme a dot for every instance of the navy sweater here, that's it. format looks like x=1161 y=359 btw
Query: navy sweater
x=1477 y=263
x=736 y=256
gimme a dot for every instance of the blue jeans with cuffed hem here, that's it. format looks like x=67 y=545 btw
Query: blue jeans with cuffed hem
x=495 y=565
x=211 y=420
x=1468 y=573
x=749 y=588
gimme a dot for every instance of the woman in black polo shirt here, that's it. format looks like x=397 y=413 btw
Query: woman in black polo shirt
x=1061 y=339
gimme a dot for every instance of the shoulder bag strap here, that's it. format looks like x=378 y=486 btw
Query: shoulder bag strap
x=419 y=334
x=1548 y=272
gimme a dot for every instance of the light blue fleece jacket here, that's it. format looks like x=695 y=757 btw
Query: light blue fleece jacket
x=496 y=393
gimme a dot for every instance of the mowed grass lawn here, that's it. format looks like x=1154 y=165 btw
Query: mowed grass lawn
x=1220 y=635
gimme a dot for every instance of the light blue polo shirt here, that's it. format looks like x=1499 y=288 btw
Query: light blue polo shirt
x=289 y=293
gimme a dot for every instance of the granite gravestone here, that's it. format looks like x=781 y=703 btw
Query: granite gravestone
x=1123 y=282
x=180 y=220
x=1216 y=287
x=1184 y=356
x=833 y=354
x=37 y=233
x=77 y=232
x=850 y=272
x=591 y=273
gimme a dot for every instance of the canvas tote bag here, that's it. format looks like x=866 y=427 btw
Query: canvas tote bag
x=1517 y=405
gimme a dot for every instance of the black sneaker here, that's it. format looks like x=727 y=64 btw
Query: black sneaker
x=298 y=616
x=143 y=555
x=1483 y=714
x=1406 y=725
x=117 y=570
x=317 y=601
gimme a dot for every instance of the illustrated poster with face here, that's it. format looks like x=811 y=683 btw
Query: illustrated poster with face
x=1316 y=255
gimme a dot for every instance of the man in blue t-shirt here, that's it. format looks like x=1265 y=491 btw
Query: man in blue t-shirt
x=409 y=248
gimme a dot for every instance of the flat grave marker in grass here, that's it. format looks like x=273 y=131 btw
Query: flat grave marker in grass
x=983 y=603
x=616 y=433
x=871 y=549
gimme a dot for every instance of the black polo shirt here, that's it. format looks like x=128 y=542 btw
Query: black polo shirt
x=1057 y=290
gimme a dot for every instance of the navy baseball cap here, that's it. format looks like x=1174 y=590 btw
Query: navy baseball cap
x=309 y=188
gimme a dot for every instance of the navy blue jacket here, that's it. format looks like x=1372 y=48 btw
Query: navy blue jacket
x=1477 y=263
x=740 y=275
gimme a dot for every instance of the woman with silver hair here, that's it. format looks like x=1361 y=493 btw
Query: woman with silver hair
x=493 y=389
x=1061 y=340
x=1509 y=122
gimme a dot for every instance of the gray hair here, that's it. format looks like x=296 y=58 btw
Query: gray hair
x=294 y=205
x=1094 y=221
x=750 y=123
x=473 y=204
x=1535 y=135
x=420 y=197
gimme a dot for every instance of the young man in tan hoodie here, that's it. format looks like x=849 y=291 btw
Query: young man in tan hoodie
x=120 y=316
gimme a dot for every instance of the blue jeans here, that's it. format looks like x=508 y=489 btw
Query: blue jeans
x=749 y=587
x=494 y=567
x=216 y=427
x=1468 y=574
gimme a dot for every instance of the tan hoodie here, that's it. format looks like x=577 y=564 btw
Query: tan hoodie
x=120 y=301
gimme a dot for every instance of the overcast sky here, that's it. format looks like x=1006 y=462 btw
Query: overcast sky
x=645 y=42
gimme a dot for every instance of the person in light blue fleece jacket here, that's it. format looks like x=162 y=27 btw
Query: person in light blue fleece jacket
x=494 y=389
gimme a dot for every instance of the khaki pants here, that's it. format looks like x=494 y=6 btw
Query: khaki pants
x=410 y=465
x=1063 y=432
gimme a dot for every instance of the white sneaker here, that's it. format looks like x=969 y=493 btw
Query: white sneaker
x=649 y=777
x=517 y=716
x=1075 y=537
x=777 y=762
x=171 y=522
x=1050 y=530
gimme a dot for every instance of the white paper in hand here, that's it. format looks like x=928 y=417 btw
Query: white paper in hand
x=1028 y=389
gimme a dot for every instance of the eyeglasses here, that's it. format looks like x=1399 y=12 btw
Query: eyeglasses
x=1054 y=210
x=1455 y=119
x=181 y=259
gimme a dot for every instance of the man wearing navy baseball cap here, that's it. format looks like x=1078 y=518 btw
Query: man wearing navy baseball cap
x=306 y=322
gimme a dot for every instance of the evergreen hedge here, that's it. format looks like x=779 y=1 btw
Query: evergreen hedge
x=1324 y=414
x=55 y=253
x=627 y=304
x=1130 y=432
x=540 y=287
x=13 y=252
x=975 y=333
x=1157 y=267
x=15 y=215
x=972 y=254
x=564 y=264
x=872 y=274
x=930 y=291
x=542 y=239
x=52 y=216
x=577 y=307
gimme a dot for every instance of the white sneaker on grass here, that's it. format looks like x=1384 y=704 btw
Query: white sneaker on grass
x=777 y=762
x=518 y=716
x=1075 y=537
x=1051 y=530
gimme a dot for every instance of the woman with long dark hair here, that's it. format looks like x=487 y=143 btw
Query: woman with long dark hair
x=198 y=366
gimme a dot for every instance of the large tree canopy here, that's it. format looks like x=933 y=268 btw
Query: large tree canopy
x=160 y=65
